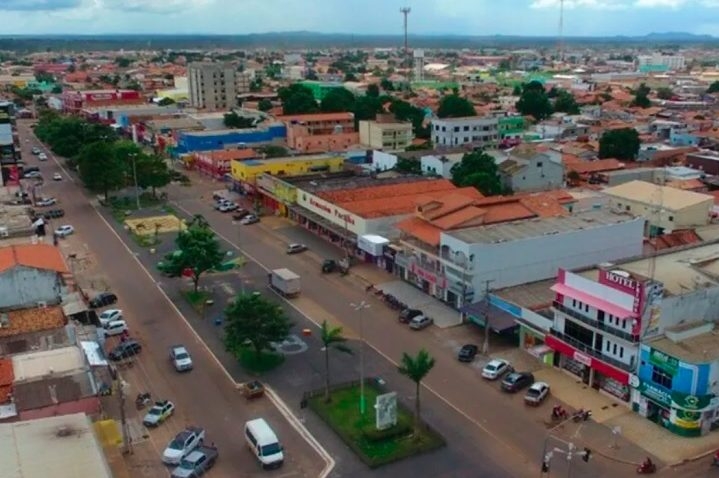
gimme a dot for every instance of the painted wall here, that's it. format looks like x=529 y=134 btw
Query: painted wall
x=540 y=174
x=697 y=215
x=87 y=405
x=247 y=171
x=189 y=141
x=25 y=285
x=688 y=378
x=382 y=161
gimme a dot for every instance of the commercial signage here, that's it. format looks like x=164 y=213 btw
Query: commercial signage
x=690 y=402
x=625 y=284
x=581 y=358
x=665 y=362
x=428 y=276
x=655 y=394
x=386 y=410
x=100 y=96
x=332 y=211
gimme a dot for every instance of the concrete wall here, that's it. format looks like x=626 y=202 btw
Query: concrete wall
x=696 y=215
x=25 y=286
x=694 y=306
x=522 y=261
x=88 y=405
x=549 y=175
x=382 y=161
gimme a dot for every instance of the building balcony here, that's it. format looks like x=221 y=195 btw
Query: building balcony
x=596 y=324
x=584 y=348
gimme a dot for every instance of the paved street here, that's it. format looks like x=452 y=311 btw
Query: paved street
x=206 y=396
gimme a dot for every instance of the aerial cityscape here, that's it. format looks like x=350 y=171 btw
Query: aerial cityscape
x=359 y=239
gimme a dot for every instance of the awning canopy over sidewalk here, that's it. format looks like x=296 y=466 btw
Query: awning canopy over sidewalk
x=499 y=320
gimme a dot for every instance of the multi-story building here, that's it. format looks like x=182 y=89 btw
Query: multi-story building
x=191 y=141
x=386 y=133
x=321 y=132
x=212 y=86
x=661 y=62
x=245 y=173
x=526 y=169
x=243 y=81
x=510 y=129
x=480 y=131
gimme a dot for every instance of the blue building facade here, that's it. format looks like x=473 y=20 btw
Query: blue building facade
x=674 y=393
x=192 y=141
x=682 y=138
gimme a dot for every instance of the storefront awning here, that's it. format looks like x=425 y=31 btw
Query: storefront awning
x=499 y=320
x=322 y=222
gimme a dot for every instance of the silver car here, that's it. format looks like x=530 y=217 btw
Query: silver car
x=420 y=322
x=181 y=359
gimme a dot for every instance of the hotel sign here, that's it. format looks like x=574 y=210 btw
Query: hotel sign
x=624 y=284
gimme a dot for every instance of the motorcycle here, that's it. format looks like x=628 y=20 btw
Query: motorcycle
x=647 y=468
x=715 y=460
x=142 y=400
x=559 y=413
x=581 y=415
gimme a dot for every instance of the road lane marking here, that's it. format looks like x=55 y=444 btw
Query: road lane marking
x=276 y=400
x=478 y=424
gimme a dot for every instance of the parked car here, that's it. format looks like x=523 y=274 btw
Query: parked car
x=30 y=169
x=32 y=174
x=115 y=327
x=44 y=202
x=516 y=381
x=496 y=368
x=64 y=230
x=537 y=393
x=159 y=412
x=180 y=358
x=420 y=322
x=126 y=349
x=183 y=443
x=109 y=315
x=227 y=207
x=240 y=214
x=35 y=150
x=57 y=177
x=250 y=219
x=408 y=314
x=53 y=213
x=467 y=353
x=103 y=299
x=296 y=248
x=42 y=157
x=196 y=463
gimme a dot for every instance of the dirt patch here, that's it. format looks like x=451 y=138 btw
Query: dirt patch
x=155 y=225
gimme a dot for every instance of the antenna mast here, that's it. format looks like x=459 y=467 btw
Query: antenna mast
x=405 y=11
x=560 y=45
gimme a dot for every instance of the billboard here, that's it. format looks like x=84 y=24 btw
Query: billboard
x=386 y=410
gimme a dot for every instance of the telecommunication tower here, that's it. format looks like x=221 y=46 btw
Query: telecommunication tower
x=560 y=43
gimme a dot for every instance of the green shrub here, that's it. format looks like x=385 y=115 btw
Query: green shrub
x=402 y=428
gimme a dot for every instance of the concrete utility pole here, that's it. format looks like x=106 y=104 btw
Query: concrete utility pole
x=360 y=308
x=122 y=396
x=134 y=175
x=560 y=46
x=485 y=346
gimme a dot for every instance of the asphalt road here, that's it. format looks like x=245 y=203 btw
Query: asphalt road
x=205 y=396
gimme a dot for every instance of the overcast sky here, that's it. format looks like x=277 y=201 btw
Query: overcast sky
x=472 y=17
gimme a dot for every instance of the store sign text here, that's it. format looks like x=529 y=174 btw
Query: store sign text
x=583 y=359
x=332 y=211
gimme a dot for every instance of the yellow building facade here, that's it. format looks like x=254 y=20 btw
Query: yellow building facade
x=246 y=171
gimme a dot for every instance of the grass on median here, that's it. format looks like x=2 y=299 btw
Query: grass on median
x=375 y=448
x=265 y=362
x=197 y=299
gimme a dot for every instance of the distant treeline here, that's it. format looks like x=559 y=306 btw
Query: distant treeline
x=306 y=40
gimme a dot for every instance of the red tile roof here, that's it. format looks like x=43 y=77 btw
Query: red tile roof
x=588 y=167
x=38 y=256
x=25 y=321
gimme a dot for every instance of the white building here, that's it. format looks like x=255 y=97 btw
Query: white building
x=478 y=131
x=440 y=164
x=672 y=62
x=212 y=86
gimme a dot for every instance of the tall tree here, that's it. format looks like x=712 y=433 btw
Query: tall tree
x=199 y=249
x=373 y=90
x=478 y=169
x=101 y=171
x=252 y=319
x=265 y=105
x=416 y=369
x=534 y=101
x=366 y=107
x=641 y=96
x=331 y=338
x=454 y=106
x=152 y=172
x=338 y=100
x=714 y=87
x=386 y=84
x=564 y=102
x=297 y=99
x=622 y=143
x=665 y=93
x=233 y=120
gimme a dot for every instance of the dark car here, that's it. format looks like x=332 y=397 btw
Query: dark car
x=329 y=265
x=53 y=213
x=30 y=169
x=467 y=353
x=516 y=381
x=407 y=315
x=125 y=349
x=240 y=214
x=102 y=299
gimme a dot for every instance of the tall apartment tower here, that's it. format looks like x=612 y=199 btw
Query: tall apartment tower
x=213 y=86
x=418 y=65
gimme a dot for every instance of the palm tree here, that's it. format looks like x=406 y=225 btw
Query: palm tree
x=416 y=368
x=331 y=337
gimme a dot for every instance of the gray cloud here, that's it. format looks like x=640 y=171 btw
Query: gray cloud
x=38 y=5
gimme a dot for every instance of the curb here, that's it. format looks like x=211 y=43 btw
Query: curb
x=692 y=459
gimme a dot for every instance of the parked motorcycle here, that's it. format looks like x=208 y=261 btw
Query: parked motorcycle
x=647 y=468
x=581 y=415
x=559 y=413
x=715 y=459
x=142 y=400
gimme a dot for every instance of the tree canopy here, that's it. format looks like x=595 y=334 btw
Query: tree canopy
x=373 y=90
x=166 y=102
x=664 y=93
x=564 y=102
x=331 y=338
x=338 y=100
x=272 y=151
x=386 y=84
x=265 y=105
x=641 y=97
x=297 y=99
x=622 y=143
x=416 y=369
x=479 y=170
x=100 y=169
x=233 y=120
x=534 y=101
x=199 y=249
x=251 y=320
x=404 y=111
x=454 y=106
x=714 y=87
x=67 y=135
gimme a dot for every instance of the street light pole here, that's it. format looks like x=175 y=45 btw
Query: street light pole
x=360 y=308
x=134 y=175
x=485 y=346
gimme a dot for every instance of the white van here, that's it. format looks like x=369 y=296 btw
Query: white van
x=263 y=443
x=115 y=327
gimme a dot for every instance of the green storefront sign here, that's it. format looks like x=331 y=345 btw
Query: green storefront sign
x=659 y=359
x=689 y=402
x=655 y=394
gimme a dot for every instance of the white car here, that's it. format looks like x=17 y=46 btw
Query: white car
x=64 y=230
x=32 y=175
x=109 y=315
x=183 y=443
x=180 y=358
x=495 y=369
x=44 y=202
x=536 y=393
x=57 y=177
x=42 y=157
x=159 y=412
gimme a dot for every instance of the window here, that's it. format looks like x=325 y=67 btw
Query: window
x=456 y=129
x=624 y=323
x=660 y=377
x=540 y=164
x=621 y=352
x=466 y=128
x=671 y=218
x=574 y=302
x=627 y=207
x=615 y=349
x=586 y=306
